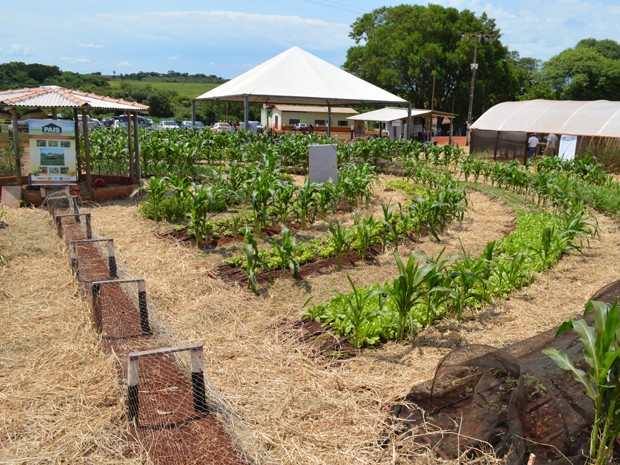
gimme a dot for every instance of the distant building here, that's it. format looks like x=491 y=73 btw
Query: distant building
x=283 y=117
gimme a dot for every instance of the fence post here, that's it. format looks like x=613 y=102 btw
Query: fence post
x=112 y=260
x=133 y=402
x=89 y=228
x=198 y=380
x=96 y=289
x=144 y=312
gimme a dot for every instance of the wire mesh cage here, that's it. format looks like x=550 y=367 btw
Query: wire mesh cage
x=120 y=308
x=169 y=408
x=93 y=260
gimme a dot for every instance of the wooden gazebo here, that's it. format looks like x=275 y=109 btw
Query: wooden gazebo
x=55 y=97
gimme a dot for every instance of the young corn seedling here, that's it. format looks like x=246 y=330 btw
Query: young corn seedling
x=253 y=260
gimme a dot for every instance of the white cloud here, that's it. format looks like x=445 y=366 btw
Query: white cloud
x=89 y=45
x=19 y=50
x=76 y=60
x=124 y=64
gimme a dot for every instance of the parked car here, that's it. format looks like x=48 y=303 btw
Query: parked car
x=93 y=123
x=168 y=124
x=253 y=126
x=143 y=123
x=196 y=125
x=223 y=127
x=303 y=127
x=108 y=121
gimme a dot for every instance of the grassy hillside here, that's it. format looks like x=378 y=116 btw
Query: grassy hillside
x=183 y=89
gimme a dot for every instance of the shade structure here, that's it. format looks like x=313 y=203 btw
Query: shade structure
x=599 y=118
x=298 y=77
x=58 y=97
x=385 y=115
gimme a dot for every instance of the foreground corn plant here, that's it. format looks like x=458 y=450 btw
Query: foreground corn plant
x=601 y=350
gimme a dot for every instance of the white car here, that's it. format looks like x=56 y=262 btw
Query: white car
x=226 y=127
x=168 y=124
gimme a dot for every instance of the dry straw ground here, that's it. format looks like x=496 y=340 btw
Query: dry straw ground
x=63 y=401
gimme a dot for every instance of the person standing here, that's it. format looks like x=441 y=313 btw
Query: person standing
x=532 y=144
x=552 y=141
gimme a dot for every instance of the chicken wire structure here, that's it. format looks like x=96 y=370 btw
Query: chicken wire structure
x=93 y=259
x=120 y=308
x=174 y=411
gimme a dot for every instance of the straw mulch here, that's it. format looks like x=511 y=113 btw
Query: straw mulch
x=306 y=410
x=60 y=396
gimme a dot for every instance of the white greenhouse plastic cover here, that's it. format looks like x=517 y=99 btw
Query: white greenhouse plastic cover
x=298 y=77
x=599 y=118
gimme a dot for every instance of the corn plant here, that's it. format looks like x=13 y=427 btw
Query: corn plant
x=406 y=291
x=357 y=313
x=390 y=229
x=467 y=284
x=365 y=233
x=601 y=350
x=340 y=239
x=286 y=252
x=252 y=258
x=305 y=201
x=155 y=189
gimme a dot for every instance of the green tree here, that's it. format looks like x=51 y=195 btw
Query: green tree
x=402 y=49
x=590 y=71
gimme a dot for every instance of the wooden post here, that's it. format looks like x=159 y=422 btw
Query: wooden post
x=78 y=155
x=17 y=149
x=96 y=291
x=198 y=380
x=89 y=180
x=136 y=146
x=129 y=148
x=133 y=402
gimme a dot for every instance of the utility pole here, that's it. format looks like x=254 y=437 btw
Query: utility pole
x=474 y=67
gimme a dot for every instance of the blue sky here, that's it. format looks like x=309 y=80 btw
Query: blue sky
x=228 y=38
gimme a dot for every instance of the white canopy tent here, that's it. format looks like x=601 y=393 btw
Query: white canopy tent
x=298 y=77
x=599 y=118
x=389 y=114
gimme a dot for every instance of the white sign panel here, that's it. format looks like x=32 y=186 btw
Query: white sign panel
x=568 y=146
x=323 y=163
x=52 y=151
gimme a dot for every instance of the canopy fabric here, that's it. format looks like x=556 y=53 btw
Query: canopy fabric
x=580 y=118
x=387 y=114
x=298 y=77
x=59 y=97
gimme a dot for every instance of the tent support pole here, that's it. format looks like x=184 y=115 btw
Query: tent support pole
x=246 y=110
x=193 y=112
x=329 y=120
x=16 y=148
x=496 y=146
x=409 y=125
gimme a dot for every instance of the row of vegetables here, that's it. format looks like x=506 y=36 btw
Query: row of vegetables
x=253 y=173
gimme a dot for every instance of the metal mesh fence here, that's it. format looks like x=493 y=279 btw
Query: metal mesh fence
x=174 y=411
